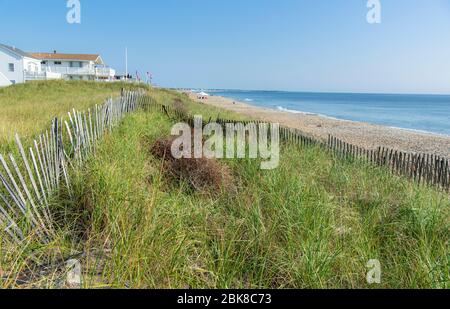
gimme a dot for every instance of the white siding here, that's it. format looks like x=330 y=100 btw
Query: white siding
x=65 y=66
x=32 y=65
x=4 y=81
x=7 y=57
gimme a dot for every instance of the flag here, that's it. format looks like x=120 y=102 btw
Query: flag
x=149 y=78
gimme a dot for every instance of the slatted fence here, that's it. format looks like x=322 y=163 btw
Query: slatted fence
x=28 y=181
x=424 y=169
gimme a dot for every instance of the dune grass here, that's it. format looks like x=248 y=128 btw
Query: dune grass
x=167 y=97
x=28 y=108
x=314 y=222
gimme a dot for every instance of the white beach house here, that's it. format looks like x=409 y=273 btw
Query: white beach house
x=17 y=66
x=75 y=66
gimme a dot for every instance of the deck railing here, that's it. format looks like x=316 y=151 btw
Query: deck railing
x=93 y=71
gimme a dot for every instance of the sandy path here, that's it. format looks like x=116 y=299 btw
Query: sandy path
x=358 y=133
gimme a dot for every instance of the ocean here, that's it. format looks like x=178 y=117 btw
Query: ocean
x=424 y=113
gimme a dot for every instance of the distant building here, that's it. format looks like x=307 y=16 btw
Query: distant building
x=17 y=66
x=75 y=66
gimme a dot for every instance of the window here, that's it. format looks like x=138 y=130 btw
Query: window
x=76 y=64
x=58 y=63
x=11 y=67
x=44 y=62
x=13 y=82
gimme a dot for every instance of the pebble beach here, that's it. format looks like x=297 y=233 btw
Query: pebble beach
x=361 y=134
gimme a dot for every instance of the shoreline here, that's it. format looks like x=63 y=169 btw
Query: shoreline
x=370 y=136
x=281 y=109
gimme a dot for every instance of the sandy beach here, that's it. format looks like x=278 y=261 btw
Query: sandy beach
x=358 y=133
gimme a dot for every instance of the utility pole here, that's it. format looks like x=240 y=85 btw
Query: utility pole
x=126 y=63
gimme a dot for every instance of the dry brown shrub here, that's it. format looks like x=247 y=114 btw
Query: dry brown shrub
x=161 y=149
x=206 y=176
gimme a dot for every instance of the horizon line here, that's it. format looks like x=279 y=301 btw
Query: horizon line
x=319 y=92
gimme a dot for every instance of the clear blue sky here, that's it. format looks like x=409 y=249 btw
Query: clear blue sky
x=304 y=45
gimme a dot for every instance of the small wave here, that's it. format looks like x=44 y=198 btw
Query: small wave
x=280 y=108
x=248 y=100
x=420 y=131
x=283 y=109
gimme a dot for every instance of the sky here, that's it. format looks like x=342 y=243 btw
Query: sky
x=294 y=45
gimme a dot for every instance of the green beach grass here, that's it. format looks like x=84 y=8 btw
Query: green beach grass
x=27 y=109
x=314 y=222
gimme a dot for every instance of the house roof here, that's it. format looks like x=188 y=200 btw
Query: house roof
x=57 y=56
x=16 y=51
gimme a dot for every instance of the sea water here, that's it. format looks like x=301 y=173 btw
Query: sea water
x=425 y=113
